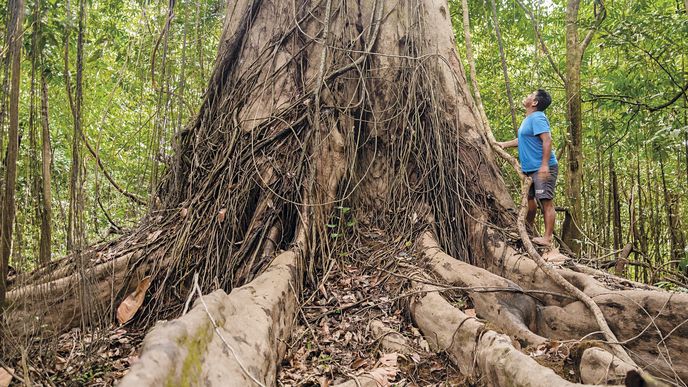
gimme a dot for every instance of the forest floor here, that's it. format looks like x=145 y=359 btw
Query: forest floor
x=99 y=359
x=335 y=341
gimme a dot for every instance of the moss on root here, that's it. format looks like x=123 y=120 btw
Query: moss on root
x=192 y=366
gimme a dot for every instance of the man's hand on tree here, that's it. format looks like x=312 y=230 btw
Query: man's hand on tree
x=543 y=172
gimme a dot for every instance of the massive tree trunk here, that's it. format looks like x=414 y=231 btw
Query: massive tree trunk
x=318 y=113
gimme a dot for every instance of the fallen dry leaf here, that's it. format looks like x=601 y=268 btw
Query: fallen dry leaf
x=347 y=337
x=415 y=357
x=5 y=377
x=221 y=215
x=358 y=363
x=388 y=360
x=423 y=344
x=154 y=235
x=128 y=308
x=384 y=375
x=322 y=290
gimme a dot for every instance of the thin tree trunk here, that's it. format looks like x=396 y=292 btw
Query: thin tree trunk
x=667 y=207
x=685 y=142
x=70 y=97
x=654 y=214
x=574 y=178
x=616 y=206
x=502 y=56
x=46 y=163
x=601 y=192
x=608 y=225
x=685 y=113
x=199 y=42
x=34 y=199
x=8 y=208
x=45 y=194
x=641 y=218
x=4 y=95
x=676 y=244
x=75 y=215
x=163 y=103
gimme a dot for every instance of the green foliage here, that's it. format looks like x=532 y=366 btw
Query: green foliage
x=124 y=114
x=636 y=62
x=342 y=221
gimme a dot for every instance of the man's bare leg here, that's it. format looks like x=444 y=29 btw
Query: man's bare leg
x=549 y=215
x=532 y=210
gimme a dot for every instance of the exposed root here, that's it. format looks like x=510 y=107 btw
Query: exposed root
x=479 y=352
x=598 y=366
x=512 y=311
x=237 y=337
x=651 y=324
x=390 y=340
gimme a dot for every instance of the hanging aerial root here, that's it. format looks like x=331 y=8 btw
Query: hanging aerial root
x=236 y=339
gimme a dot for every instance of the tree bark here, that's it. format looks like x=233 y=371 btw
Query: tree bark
x=616 y=206
x=571 y=232
x=46 y=163
x=677 y=252
x=8 y=203
x=75 y=232
x=10 y=23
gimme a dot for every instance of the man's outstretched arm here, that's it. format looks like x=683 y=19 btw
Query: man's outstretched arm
x=508 y=144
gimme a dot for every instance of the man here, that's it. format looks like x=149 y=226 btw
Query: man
x=537 y=159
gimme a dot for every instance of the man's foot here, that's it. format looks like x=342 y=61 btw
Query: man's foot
x=542 y=241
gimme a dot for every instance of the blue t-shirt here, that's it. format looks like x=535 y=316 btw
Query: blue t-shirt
x=530 y=144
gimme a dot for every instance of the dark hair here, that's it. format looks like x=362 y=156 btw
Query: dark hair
x=543 y=99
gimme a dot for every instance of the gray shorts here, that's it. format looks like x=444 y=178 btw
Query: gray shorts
x=543 y=189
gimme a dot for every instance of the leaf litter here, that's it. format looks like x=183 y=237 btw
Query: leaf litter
x=76 y=358
x=334 y=342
